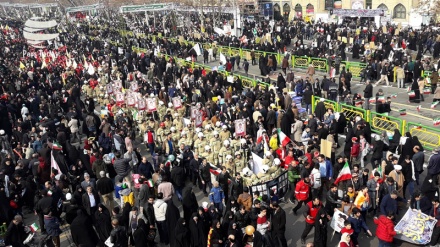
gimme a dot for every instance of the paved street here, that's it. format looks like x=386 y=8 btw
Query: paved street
x=295 y=224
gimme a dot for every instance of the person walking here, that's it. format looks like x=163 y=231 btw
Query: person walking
x=302 y=193
x=160 y=208
x=278 y=225
x=368 y=93
x=385 y=229
x=217 y=197
x=358 y=224
x=311 y=214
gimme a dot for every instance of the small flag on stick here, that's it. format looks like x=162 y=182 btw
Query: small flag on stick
x=402 y=112
x=437 y=122
x=434 y=104
x=419 y=108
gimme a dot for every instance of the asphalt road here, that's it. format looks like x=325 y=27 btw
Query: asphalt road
x=295 y=224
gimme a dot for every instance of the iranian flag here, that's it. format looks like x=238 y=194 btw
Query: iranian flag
x=344 y=174
x=437 y=122
x=53 y=164
x=34 y=227
x=284 y=140
x=434 y=104
x=56 y=146
x=150 y=183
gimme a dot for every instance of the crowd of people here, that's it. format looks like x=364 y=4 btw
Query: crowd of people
x=76 y=127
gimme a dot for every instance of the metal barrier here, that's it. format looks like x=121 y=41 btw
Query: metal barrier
x=352 y=111
x=328 y=104
x=429 y=137
x=300 y=62
x=319 y=64
x=355 y=68
x=380 y=122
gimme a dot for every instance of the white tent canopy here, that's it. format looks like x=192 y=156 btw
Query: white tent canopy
x=38 y=36
x=40 y=24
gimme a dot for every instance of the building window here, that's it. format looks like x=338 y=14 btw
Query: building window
x=399 y=12
x=369 y=4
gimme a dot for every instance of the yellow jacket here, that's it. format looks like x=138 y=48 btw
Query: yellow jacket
x=273 y=143
x=129 y=199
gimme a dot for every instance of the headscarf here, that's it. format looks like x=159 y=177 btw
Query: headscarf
x=344 y=238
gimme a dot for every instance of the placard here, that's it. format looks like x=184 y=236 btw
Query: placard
x=131 y=100
x=109 y=88
x=338 y=220
x=117 y=84
x=177 y=102
x=142 y=104
x=230 y=78
x=134 y=86
x=151 y=104
x=194 y=112
x=199 y=119
x=120 y=98
x=240 y=127
x=415 y=227
x=326 y=148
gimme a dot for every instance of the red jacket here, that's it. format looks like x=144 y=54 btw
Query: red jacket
x=302 y=190
x=385 y=229
x=355 y=149
x=288 y=161
x=312 y=212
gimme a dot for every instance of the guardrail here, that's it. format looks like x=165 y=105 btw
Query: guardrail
x=429 y=137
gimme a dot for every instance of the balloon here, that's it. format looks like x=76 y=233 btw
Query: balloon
x=249 y=230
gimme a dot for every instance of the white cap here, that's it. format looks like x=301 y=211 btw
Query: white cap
x=207 y=147
x=176 y=114
x=198 y=130
x=68 y=196
x=200 y=134
x=228 y=157
x=243 y=141
x=152 y=95
x=265 y=168
x=170 y=104
x=218 y=123
x=182 y=133
x=277 y=161
x=173 y=129
x=161 y=102
x=207 y=127
x=268 y=153
x=397 y=167
x=225 y=142
x=214 y=133
x=224 y=127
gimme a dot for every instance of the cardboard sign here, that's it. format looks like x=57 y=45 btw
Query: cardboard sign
x=151 y=104
x=177 y=102
x=131 y=100
x=240 y=127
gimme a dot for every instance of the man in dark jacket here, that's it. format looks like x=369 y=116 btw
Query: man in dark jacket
x=178 y=178
x=90 y=201
x=307 y=97
x=205 y=176
x=418 y=159
x=368 y=93
x=278 y=224
x=389 y=203
x=105 y=188
x=122 y=167
x=15 y=234
x=43 y=205
x=118 y=235
x=145 y=168
x=331 y=200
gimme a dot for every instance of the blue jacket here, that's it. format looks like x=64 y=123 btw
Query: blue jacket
x=389 y=204
x=328 y=169
x=217 y=195
x=358 y=224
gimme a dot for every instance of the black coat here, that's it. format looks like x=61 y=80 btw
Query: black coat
x=15 y=235
x=198 y=238
x=320 y=110
x=140 y=234
x=181 y=234
x=278 y=224
x=320 y=238
x=172 y=215
x=189 y=203
x=82 y=230
x=103 y=224
x=86 y=201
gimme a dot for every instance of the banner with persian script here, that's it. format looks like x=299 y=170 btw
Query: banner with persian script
x=358 y=12
x=415 y=227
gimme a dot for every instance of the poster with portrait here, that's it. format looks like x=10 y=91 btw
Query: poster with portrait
x=120 y=98
x=109 y=88
x=142 y=104
x=199 y=119
x=117 y=85
x=131 y=99
x=357 y=4
x=134 y=86
x=194 y=112
x=415 y=227
x=240 y=127
x=177 y=102
x=338 y=220
x=151 y=104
